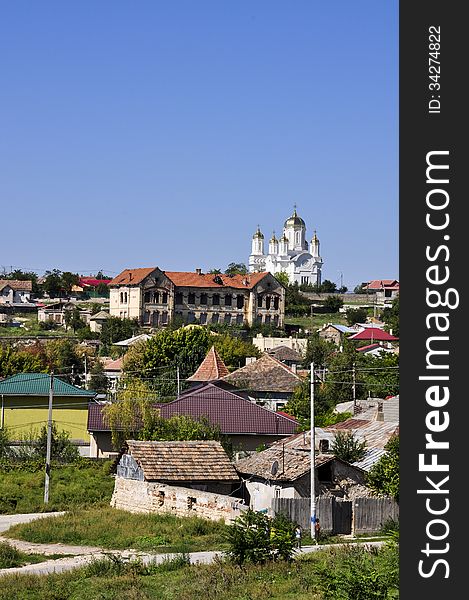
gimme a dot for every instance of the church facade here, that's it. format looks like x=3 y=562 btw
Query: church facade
x=291 y=254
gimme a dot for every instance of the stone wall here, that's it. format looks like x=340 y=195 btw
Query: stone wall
x=144 y=497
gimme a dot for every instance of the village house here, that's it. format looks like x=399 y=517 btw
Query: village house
x=335 y=333
x=266 y=344
x=282 y=471
x=97 y=321
x=15 y=291
x=386 y=290
x=156 y=297
x=55 y=313
x=266 y=380
x=194 y=478
x=212 y=368
x=287 y=356
x=246 y=425
x=25 y=404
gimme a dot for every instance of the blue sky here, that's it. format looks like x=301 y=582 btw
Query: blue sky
x=161 y=133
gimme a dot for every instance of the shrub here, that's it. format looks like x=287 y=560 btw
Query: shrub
x=256 y=538
x=347 y=447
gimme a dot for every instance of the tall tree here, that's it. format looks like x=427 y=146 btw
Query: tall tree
x=236 y=269
x=383 y=477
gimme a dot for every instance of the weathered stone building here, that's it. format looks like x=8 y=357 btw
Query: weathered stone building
x=155 y=297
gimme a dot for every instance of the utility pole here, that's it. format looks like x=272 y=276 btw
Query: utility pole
x=86 y=375
x=313 y=474
x=354 y=391
x=179 y=385
x=49 y=439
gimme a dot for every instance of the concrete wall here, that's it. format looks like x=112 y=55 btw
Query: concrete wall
x=270 y=343
x=144 y=497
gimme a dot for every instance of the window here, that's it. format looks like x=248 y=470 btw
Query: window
x=240 y=301
x=164 y=318
x=276 y=301
x=227 y=319
x=156 y=319
x=178 y=298
x=275 y=320
x=125 y=297
x=122 y=297
x=156 y=297
x=259 y=319
x=203 y=318
x=203 y=298
x=267 y=302
x=239 y=319
x=215 y=318
x=146 y=317
x=304 y=279
x=190 y=317
x=146 y=298
x=228 y=300
x=216 y=299
x=191 y=298
x=259 y=300
x=165 y=298
x=267 y=320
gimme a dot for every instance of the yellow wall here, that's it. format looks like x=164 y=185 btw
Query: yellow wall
x=21 y=414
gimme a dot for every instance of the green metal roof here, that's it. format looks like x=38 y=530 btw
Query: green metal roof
x=38 y=384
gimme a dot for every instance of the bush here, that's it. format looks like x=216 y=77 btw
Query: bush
x=10 y=556
x=346 y=447
x=256 y=538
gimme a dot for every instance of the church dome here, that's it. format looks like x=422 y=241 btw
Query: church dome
x=294 y=220
x=284 y=238
x=258 y=234
x=273 y=238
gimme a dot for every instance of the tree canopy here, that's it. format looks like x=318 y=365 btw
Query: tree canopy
x=383 y=477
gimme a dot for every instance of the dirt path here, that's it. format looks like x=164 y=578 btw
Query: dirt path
x=83 y=555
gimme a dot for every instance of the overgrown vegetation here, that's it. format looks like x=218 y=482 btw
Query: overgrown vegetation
x=256 y=538
x=83 y=483
x=10 y=557
x=346 y=447
x=345 y=574
x=110 y=528
x=383 y=477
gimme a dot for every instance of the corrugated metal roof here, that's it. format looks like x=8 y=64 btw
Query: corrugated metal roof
x=371 y=457
x=38 y=384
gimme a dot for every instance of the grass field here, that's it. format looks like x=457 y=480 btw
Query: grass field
x=107 y=527
x=348 y=573
x=317 y=321
x=83 y=484
x=10 y=557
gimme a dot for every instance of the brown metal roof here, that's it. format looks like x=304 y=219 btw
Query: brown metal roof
x=182 y=461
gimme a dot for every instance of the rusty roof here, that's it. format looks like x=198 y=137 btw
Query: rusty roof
x=282 y=353
x=267 y=374
x=182 y=461
x=211 y=368
x=17 y=284
x=132 y=276
x=210 y=280
x=291 y=463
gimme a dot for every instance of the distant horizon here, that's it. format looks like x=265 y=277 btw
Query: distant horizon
x=163 y=134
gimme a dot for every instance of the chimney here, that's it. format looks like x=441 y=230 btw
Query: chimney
x=250 y=359
x=130 y=276
x=380 y=413
x=198 y=271
x=293 y=367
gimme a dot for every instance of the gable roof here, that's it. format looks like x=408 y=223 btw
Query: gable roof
x=17 y=284
x=233 y=413
x=102 y=314
x=132 y=276
x=292 y=463
x=38 y=384
x=341 y=328
x=182 y=461
x=209 y=280
x=211 y=368
x=266 y=374
x=379 y=284
x=282 y=353
x=373 y=333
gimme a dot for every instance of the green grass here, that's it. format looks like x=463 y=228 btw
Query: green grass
x=10 y=557
x=347 y=573
x=83 y=484
x=110 y=528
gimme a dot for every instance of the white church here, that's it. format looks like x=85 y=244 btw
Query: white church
x=291 y=254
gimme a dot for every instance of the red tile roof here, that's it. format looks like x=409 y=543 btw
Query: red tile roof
x=93 y=282
x=211 y=368
x=379 y=284
x=369 y=347
x=132 y=276
x=209 y=280
x=373 y=333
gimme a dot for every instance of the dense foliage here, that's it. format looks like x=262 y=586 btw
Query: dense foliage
x=383 y=477
x=346 y=447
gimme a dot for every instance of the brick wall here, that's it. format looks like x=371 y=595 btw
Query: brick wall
x=142 y=496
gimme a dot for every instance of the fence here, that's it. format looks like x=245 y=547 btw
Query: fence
x=337 y=516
